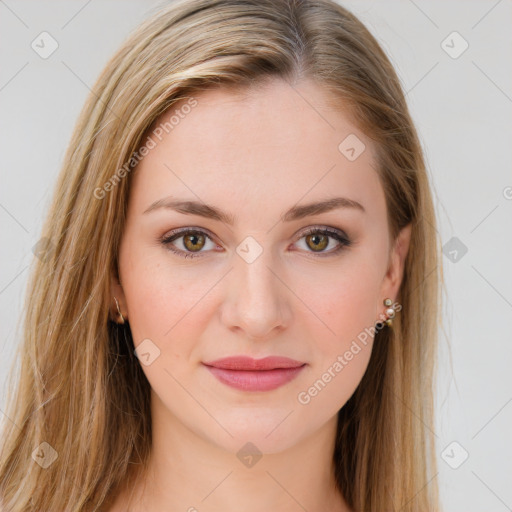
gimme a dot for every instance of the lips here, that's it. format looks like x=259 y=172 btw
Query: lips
x=248 y=374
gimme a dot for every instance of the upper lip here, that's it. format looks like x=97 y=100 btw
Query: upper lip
x=248 y=363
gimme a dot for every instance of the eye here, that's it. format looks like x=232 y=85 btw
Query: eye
x=317 y=239
x=192 y=241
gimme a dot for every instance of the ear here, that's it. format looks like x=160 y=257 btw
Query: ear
x=394 y=275
x=116 y=291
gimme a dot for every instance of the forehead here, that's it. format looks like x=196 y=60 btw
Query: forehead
x=273 y=142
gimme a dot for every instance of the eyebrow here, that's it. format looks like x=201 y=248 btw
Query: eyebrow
x=211 y=212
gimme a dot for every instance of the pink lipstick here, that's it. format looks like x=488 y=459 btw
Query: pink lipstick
x=248 y=374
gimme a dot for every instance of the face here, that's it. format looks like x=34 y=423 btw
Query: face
x=264 y=278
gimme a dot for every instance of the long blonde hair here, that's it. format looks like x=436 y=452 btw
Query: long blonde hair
x=80 y=388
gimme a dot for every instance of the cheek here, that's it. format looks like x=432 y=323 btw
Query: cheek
x=341 y=351
x=164 y=300
x=342 y=302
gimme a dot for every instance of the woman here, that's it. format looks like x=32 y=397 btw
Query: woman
x=237 y=306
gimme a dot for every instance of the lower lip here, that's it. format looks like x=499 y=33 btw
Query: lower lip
x=255 y=380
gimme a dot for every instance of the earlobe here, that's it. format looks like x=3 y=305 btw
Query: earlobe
x=119 y=313
x=118 y=303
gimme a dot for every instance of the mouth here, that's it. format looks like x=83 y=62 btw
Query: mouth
x=248 y=374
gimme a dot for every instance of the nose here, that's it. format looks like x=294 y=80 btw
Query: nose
x=256 y=301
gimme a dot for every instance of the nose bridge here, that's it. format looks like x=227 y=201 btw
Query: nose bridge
x=257 y=299
x=256 y=277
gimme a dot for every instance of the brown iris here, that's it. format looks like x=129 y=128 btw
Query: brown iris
x=320 y=241
x=194 y=242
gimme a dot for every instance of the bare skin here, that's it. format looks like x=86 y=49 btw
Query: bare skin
x=254 y=155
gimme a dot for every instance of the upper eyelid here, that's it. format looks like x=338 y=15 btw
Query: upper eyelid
x=183 y=231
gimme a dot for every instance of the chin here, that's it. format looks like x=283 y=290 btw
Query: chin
x=264 y=429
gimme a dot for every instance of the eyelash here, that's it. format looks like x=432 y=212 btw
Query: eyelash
x=337 y=235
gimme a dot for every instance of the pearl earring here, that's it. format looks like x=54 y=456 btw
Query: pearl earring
x=390 y=313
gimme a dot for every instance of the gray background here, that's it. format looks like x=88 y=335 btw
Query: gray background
x=462 y=108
